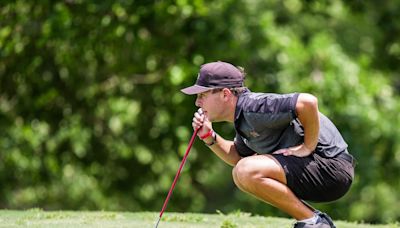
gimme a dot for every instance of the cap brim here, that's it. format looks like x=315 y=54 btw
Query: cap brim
x=195 y=89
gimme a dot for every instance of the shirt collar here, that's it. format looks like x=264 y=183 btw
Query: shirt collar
x=239 y=104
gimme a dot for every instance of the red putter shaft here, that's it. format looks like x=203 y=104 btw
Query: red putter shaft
x=177 y=175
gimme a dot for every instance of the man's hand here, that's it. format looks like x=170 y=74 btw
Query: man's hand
x=201 y=121
x=298 y=151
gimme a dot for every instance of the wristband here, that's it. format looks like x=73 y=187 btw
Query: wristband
x=206 y=135
x=214 y=137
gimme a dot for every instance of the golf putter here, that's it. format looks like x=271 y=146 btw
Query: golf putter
x=177 y=175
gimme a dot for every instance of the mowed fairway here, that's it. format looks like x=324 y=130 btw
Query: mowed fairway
x=40 y=218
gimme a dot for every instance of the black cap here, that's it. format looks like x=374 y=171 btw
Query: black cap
x=216 y=75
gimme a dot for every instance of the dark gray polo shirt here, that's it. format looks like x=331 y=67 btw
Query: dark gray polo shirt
x=266 y=122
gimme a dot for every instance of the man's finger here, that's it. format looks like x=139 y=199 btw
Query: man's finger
x=199 y=116
x=280 y=151
x=285 y=152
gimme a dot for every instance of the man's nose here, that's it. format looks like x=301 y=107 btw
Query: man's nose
x=197 y=103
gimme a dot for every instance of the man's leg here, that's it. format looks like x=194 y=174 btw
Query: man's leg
x=263 y=177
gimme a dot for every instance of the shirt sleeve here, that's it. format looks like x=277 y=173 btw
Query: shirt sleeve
x=242 y=149
x=293 y=102
x=281 y=103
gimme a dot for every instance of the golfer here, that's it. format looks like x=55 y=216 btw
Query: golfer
x=285 y=151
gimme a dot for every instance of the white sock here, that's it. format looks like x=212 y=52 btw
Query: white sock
x=311 y=220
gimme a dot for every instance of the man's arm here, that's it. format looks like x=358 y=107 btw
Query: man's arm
x=308 y=115
x=224 y=149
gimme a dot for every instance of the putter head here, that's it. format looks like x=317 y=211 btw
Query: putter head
x=158 y=222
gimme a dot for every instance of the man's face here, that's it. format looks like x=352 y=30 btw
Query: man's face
x=211 y=103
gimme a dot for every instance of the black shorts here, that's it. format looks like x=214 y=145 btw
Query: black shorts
x=318 y=179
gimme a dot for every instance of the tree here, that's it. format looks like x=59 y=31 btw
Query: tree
x=92 y=117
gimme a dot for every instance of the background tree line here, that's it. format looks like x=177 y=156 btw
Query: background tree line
x=91 y=116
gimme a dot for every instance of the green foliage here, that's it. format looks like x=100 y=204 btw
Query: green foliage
x=92 y=116
x=228 y=224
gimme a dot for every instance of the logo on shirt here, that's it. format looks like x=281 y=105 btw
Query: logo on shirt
x=254 y=134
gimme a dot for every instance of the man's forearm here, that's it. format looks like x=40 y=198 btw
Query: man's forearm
x=307 y=109
x=224 y=149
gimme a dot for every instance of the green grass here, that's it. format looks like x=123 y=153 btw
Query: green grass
x=40 y=218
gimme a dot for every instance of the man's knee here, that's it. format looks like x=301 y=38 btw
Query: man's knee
x=235 y=178
x=243 y=174
x=249 y=171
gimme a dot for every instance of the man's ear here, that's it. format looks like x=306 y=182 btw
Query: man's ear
x=226 y=92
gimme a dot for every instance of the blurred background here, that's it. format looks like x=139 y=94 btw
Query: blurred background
x=92 y=118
